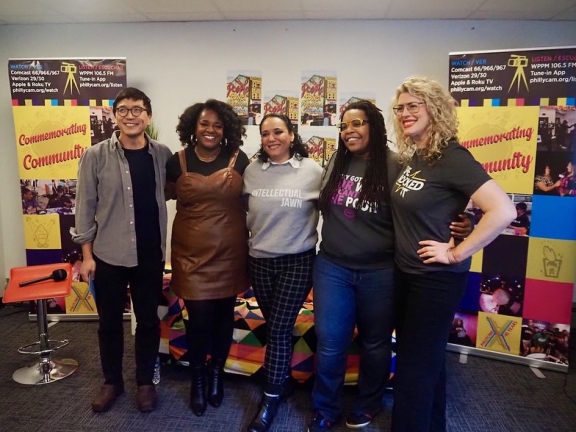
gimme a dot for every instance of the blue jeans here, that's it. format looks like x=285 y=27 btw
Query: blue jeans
x=426 y=307
x=344 y=298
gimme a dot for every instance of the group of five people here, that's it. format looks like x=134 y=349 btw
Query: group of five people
x=386 y=260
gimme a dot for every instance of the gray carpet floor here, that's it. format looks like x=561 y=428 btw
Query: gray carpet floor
x=483 y=395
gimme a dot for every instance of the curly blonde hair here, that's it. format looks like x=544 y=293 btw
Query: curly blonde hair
x=443 y=121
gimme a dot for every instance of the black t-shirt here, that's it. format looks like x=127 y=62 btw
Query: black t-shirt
x=146 y=213
x=357 y=238
x=195 y=165
x=527 y=333
x=426 y=198
x=522 y=221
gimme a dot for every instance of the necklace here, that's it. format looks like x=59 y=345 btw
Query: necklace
x=207 y=159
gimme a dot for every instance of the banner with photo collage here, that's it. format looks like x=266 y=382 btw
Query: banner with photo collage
x=60 y=107
x=517 y=112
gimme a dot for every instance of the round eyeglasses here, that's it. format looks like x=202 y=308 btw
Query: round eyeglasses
x=135 y=111
x=412 y=108
x=356 y=123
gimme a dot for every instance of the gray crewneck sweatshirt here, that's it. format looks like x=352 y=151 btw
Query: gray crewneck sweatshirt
x=282 y=207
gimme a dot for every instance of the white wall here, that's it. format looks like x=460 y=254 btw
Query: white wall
x=178 y=64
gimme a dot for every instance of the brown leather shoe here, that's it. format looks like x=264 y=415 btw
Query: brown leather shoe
x=147 y=398
x=106 y=397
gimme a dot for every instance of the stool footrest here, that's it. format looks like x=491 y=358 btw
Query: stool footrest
x=61 y=344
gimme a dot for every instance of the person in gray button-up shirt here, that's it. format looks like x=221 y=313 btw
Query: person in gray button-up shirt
x=121 y=225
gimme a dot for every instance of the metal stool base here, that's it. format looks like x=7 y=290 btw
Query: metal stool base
x=34 y=375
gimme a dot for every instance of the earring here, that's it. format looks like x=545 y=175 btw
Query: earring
x=224 y=142
x=193 y=139
x=291 y=144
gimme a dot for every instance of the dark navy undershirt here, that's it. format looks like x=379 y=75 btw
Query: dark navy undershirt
x=146 y=214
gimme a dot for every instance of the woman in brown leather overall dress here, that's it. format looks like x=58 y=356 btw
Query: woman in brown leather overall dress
x=209 y=238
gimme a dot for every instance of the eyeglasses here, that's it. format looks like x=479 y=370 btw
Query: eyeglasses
x=412 y=108
x=356 y=123
x=135 y=111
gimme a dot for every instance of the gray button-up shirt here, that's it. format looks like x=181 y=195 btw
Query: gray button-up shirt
x=105 y=201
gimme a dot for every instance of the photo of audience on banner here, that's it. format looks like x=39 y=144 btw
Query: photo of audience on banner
x=556 y=152
x=545 y=341
x=519 y=226
x=48 y=196
x=557 y=129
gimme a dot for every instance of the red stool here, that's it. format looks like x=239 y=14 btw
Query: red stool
x=47 y=369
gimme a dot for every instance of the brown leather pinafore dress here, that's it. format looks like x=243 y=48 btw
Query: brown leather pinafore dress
x=209 y=234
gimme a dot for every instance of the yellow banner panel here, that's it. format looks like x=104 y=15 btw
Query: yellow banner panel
x=503 y=140
x=499 y=333
x=476 y=265
x=50 y=140
x=551 y=260
x=80 y=300
x=42 y=231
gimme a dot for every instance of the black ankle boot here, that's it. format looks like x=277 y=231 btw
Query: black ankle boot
x=198 y=390
x=266 y=413
x=287 y=388
x=216 y=382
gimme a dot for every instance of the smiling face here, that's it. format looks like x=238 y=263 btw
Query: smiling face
x=356 y=139
x=415 y=125
x=132 y=126
x=276 y=139
x=209 y=130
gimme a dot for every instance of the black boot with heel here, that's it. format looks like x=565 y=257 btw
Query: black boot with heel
x=287 y=388
x=198 y=390
x=265 y=415
x=216 y=382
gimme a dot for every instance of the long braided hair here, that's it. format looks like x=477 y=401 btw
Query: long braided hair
x=375 y=188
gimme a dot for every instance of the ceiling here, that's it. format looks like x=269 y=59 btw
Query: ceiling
x=113 y=11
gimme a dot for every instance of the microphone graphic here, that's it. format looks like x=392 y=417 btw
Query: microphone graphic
x=58 y=276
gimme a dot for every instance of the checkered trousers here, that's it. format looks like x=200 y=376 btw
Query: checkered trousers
x=281 y=285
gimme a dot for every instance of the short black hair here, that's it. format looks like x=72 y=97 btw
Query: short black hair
x=522 y=206
x=135 y=94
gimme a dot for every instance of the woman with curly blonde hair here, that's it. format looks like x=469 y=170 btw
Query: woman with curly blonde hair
x=438 y=178
x=443 y=121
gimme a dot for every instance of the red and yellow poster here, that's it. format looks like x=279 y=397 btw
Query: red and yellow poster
x=318 y=98
x=244 y=94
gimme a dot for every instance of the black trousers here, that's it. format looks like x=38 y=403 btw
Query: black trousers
x=426 y=307
x=111 y=286
x=209 y=329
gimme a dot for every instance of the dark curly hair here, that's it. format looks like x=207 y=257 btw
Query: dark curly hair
x=375 y=187
x=233 y=129
x=297 y=148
